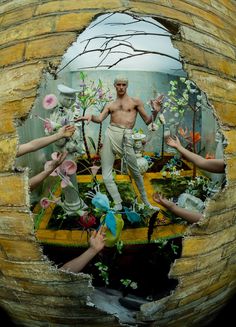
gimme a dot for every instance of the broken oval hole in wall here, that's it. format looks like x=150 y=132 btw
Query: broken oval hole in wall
x=133 y=268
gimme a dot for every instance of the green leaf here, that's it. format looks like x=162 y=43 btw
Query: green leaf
x=100 y=83
x=82 y=76
x=92 y=142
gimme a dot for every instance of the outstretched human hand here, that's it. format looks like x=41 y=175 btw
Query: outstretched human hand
x=173 y=142
x=96 y=244
x=97 y=239
x=66 y=131
x=87 y=117
x=157 y=103
x=53 y=164
x=158 y=198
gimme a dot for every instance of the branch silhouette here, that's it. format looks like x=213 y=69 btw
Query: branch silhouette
x=119 y=44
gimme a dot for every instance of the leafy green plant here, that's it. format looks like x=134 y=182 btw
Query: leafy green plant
x=199 y=187
x=161 y=243
x=103 y=272
x=184 y=96
x=91 y=96
x=167 y=248
x=129 y=283
x=119 y=246
x=174 y=248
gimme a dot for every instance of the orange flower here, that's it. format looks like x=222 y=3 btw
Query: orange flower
x=182 y=132
x=196 y=137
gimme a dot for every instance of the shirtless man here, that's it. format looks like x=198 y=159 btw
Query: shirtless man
x=118 y=137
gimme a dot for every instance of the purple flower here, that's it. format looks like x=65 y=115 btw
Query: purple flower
x=64 y=121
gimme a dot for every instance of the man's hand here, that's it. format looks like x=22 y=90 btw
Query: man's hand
x=157 y=103
x=97 y=240
x=87 y=117
x=66 y=131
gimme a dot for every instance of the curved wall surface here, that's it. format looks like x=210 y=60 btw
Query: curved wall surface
x=34 y=33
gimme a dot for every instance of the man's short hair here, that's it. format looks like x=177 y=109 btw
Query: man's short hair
x=121 y=79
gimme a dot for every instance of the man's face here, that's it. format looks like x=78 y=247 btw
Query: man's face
x=121 y=87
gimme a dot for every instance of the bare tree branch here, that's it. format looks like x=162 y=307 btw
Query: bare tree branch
x=114 y=41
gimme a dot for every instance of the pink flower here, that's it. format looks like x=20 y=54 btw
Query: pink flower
x=55 y=155
x=45 y=203
x=94 y=169
x=50 y=101
x=65 y=181
x=68 y=167
x=48 y=126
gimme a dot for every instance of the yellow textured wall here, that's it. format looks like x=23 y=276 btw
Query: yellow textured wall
x=34 y=33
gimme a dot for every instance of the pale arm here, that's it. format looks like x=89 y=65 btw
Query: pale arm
x=37 y=179
x=190 y=216
x=34 y=145
x=97 y=243
x=156 y=108
x=95 y=118
x=210 y=165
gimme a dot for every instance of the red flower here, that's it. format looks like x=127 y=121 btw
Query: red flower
x=87 y=220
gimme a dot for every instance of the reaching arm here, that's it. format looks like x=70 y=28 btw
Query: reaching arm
x=97 y=243
x=95 y=119
x=190 y=216
x=37 y=179
x=34 y=145
x=211 y=165
x=156 y=107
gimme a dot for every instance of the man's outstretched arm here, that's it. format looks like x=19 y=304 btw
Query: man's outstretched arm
x=95 y=118
x=156 y=108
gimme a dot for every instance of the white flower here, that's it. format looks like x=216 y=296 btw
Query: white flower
x=162 y=119
x=152 y=127
x=134 y=285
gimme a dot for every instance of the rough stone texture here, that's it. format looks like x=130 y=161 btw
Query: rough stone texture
x=207 y=269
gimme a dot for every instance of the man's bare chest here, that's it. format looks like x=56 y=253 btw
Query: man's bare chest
x=126 y=107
